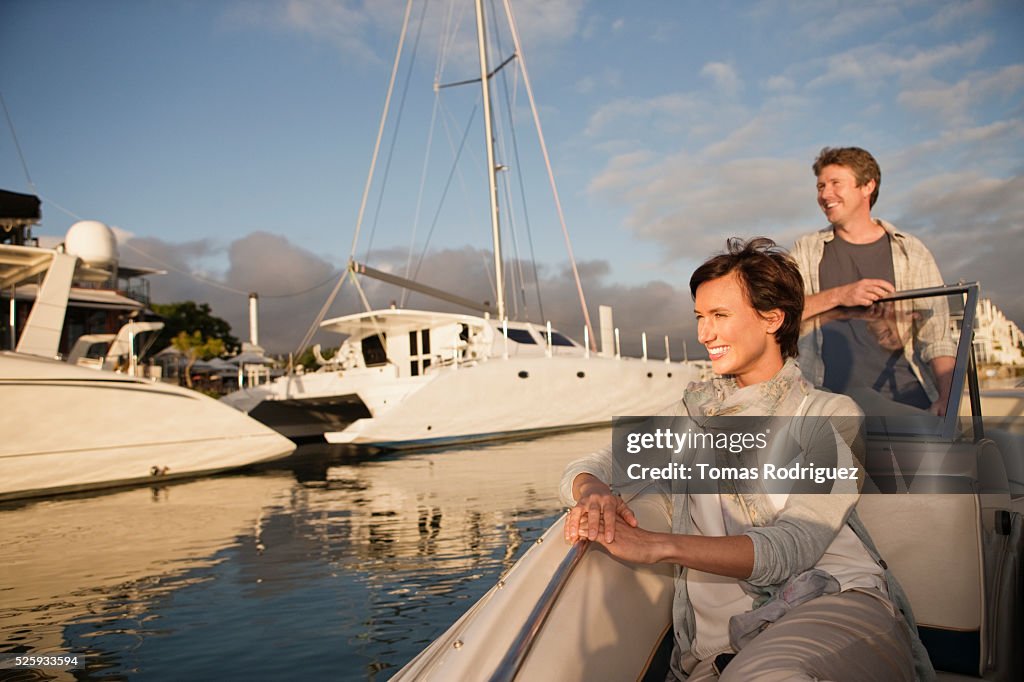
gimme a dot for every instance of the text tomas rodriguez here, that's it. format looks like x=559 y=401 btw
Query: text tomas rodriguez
x=709 y=472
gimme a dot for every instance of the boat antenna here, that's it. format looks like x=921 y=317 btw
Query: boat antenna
x=547 y=163
x=492 y=169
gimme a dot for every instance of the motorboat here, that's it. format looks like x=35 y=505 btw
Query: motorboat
x=406 y=378
x=68 y=427
x=953 y=535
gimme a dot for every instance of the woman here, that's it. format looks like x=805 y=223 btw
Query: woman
x=803 y=560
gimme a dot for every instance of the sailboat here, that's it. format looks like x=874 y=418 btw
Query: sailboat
x=407 y=378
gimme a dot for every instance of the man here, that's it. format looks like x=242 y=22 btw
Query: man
x=847 y=268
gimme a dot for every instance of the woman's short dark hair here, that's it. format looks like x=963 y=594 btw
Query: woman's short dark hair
x=771 y=280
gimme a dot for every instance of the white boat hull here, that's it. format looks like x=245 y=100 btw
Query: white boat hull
x=68 y=428
x=494 y=399
x=607 y=623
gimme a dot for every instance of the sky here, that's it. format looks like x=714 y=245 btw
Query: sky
x=229 y=143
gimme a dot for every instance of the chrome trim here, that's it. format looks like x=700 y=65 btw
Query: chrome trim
x=510 y=664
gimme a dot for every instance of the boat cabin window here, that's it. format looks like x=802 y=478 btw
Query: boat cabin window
x=557 y=339
x=877 y=356
x=521 y=336
x=373 y=350
x=97 y=351
x=419 y=351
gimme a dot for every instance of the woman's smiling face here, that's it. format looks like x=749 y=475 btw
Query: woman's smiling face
x=740 y=340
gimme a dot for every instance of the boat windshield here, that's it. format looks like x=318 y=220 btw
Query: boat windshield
x=893 y=358
x=557 y=339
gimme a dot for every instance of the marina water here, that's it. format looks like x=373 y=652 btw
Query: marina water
x=331 y=565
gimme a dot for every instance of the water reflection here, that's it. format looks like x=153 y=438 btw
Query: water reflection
x=333 y=565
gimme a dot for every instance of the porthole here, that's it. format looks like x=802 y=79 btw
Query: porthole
x=523 y=374
x=581 y=374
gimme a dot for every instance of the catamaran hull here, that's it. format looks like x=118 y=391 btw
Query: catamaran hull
x=68 y=428
x=310 y=417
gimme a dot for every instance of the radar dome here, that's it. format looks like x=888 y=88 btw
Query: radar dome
x=93 y=242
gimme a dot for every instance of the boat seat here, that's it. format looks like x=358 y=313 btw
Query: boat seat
x=1011 y=447
x=957 y=560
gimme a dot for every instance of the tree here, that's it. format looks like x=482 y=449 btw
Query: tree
x=188 y=316
x=196 y=347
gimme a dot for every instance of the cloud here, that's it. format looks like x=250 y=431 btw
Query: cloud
x=871 y=65
x=779 y=84
x=294 y=283
x=724 y=78
x=952 y=104
x=342 y=24
x=669 y=113
x=955 y=14
x=367 y=29
x=688 y=204
x=601 y=82
x=973 y=223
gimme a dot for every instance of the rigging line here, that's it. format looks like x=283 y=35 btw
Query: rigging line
x=69 y=213
x=444 y=42
x=293 y=294
x=373 y=318
x=369 y=178
x=220 y=285
x=419 y=194
x=323 y=311
x=380 y=131
x=444 y=194
x=551 y=175
x=522 y=188
x=470 y=81
x=516 y=269
x=199 y=278
x=127 y=244
x=394 y=134
x=510 y=222
x=17 y=145
x=522 y=194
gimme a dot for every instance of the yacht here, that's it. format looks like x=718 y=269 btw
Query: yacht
x=68 y=427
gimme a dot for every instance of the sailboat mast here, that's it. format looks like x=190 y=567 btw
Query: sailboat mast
x=492 y=168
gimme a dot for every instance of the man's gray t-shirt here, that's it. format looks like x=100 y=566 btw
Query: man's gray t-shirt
x=851 y=353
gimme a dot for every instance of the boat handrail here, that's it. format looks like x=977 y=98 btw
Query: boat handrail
x=513 y=660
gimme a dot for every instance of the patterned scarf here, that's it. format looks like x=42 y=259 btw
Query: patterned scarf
x=745 y=502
